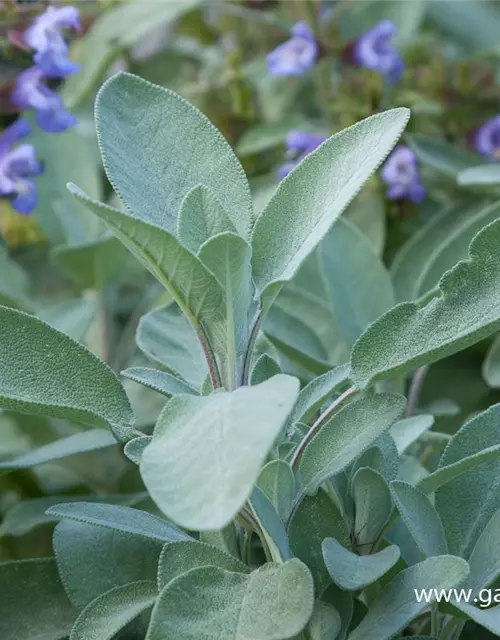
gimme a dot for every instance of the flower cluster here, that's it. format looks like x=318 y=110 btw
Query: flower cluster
x=16 y=165
x=488 y=139
x=375 y=51
x=32 y=90
x=295 y=56
x=298 y=145
x=402 y=176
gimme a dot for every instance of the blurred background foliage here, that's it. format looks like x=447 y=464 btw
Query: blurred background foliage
x=61 y=264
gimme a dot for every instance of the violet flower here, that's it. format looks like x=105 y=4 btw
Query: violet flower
x=402 y=176
x=296 y=56
x=488 y=139
x=17 y=164
x=374 y=51
x=32 y=92
x=45 y=37
x=298 y=145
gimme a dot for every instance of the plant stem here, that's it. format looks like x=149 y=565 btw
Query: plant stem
x=324 y=417
x=213 y=367
x=254 y=332
x=415 y=389
x=434 y=621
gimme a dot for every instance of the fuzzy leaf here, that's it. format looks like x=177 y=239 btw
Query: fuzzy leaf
x=396 y=605
x=277 y=482
x=180 y=557
x=421 y=519
x=325 y=623
x=72 y=317
x=33 y=605
x=105 y=616
x=211 y=603
x=409 y=336
x=201 y=483
x=372 y=506
x=264 y=368
x=156 y=147
x=119 y=518
x=491 y=365
x=353 y=572
x=441 y=156
x=161 y=381
x=192 y=286
x=271 y=524
x=201 y=217
x=346 y=435
x=92 y=559
x=310 y=199
x=44 y=372
x=407 y=431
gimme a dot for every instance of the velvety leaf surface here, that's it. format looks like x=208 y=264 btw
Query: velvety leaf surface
x=161 y=381
x=206 y=452
x=180 y=557
x=192 y=286
x=201 y=217
x=372 y=506
x=103 y=618
x=119 y=518
x=491 y=365
x=322 y=185
x=351 y=571
x=33 y=605
x=44 y=372
x=156 y=147
x=210 y=603
x=405 y=432
x=325 y=622
x=421 y=518
x=346 y=435
x=72 y=317
x=264 y=368
x=92 y=559
x=271 y=524
x=277 y=482
x=464 y=312
x=396 y=605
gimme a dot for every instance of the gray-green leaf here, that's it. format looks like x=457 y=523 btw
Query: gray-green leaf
x=201 y=482
x=353 y=572
x=210 y=603
x=409 y=336
x=44 y=372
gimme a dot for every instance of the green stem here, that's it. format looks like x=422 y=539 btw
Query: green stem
x=247 y=360
x=324 y=417
x=416 y=389
x=213 y=368
x=434 y=621
x=450 y=629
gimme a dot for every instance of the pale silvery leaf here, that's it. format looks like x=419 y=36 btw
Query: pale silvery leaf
x=491 y=365
x=397 y=605
x=421 y=519
x=277 y=482
x=409 y=336
x=346 y=435
x=405 y=432
x=156 y=147
x=119 y=518
x=271 y=524
x=180 y=557
x=325 y=622
x=211 y=603
x=72 y=317
x=353 y=572
x=264 y=368
x=310 y=199
x=44 y=372
x=484 y=175
x=484 y=560
x=192 y=286
x=201 y=482
x=201 y=217
x=103 y=618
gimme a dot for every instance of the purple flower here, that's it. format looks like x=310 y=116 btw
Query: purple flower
x=17 y=164
x=374 y=51
x=488 y=139
x=295 y=56
x=298 y=145
x=45 y=37
x=32 y=92
x=402 y=176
